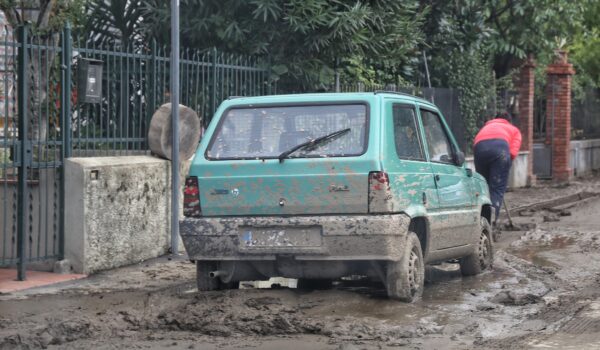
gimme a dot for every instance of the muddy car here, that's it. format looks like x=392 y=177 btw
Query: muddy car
x=321 y=186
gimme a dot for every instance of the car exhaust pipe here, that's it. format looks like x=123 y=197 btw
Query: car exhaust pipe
x=235 y=271
x=218 y=273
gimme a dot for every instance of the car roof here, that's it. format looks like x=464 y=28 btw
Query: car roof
x=324 y=97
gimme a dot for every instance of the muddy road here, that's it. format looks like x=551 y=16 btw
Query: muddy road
x=544 y=292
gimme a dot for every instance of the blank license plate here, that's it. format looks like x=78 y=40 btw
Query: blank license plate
x=282 y=237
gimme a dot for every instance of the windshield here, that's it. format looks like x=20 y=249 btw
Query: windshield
x=267 y=132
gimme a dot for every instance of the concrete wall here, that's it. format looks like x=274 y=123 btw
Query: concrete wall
x=117 y=211
x=585 y=156
x=518 y=171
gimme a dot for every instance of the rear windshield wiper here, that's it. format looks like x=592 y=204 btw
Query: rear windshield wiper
x=312 y=143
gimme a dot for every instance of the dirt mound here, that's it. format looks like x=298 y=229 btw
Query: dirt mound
x=56 y=332
x=246 y=314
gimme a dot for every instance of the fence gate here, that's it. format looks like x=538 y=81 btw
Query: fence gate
x=31 y=152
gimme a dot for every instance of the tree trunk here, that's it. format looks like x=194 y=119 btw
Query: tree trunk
x=39 y=82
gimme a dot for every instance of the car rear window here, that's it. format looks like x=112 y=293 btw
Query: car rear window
x=267 y=132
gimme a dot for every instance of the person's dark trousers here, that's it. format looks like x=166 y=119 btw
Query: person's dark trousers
x=492 y=160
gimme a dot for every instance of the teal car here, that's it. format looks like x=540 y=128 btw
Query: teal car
x=321 y=186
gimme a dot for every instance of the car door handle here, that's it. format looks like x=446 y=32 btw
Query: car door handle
x=437 y=178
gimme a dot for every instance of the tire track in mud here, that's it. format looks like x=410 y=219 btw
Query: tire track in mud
x=262 y=313
x=520 y=302
x=568 y=262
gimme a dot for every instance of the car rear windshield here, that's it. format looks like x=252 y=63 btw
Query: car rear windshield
x=267 y=132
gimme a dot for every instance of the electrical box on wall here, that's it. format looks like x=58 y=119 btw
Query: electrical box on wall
x=89 y=80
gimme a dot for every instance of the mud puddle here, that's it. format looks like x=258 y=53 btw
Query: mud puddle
x=542 y=290
x=534 y=251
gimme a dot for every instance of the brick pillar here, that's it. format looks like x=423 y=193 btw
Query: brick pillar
x=558 y=114
x=525 y=87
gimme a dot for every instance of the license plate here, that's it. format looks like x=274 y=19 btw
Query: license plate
x=280 y=237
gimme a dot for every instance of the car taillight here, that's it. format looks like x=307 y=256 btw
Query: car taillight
x=191 y=197
x=379 y=180
x=379 y=192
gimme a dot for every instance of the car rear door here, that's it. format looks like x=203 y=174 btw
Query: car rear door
x=456 y=222
x=241 y=175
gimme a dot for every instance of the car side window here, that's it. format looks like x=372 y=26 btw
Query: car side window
x=438 y=143
x=406 y=133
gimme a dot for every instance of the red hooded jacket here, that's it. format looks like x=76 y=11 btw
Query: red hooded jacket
x=502 y=129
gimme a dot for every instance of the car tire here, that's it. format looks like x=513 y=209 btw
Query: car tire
x=405 y=279
x=310 y=283
x=483 y=256
x=203 y=281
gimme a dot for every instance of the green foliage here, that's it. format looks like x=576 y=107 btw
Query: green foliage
x=585 y=49
x=45 y=16
x=468 y=72
x=114 y=21
x=305 y=39
x=504 y=30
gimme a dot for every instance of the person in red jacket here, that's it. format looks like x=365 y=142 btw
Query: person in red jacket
x=495 y=147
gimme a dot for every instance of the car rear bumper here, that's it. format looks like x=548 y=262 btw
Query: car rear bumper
x=350 y=237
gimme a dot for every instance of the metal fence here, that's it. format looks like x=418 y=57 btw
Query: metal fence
x=30 y=149
x=585 y=115
x=136 y=82
x=42 y=122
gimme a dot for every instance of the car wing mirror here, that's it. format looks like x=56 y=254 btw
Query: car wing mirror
x=459 y=158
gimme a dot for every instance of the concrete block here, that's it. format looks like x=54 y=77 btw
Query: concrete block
x=117 y=211
x=585 y=156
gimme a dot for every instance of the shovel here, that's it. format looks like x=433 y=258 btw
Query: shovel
x=511 y=226
x=510 y=222
x=508 y=227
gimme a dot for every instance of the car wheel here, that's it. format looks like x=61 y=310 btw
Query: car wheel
x=483 y=257
x=405 y=279
x=203 y=280
x=310 y=283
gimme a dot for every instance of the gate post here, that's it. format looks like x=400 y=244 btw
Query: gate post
x=65 y=124
x=558 y=116
x=213 y=85
x=525 y=88
x=66 y=89
x=152 y=85
x=24 y=153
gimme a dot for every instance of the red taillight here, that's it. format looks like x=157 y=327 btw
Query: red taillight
x=191 y=197
x=380 y=194
x=379 y=181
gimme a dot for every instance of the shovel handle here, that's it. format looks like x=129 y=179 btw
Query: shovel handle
x=507 y=213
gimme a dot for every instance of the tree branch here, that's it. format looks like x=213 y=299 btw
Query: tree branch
x=46 y=7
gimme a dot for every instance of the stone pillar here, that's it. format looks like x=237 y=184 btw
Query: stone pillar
x=558 y=116
x=525 y=88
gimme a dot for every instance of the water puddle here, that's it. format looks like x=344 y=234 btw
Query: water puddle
x=533 y=252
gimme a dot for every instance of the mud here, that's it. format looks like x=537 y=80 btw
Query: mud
x=542 y=292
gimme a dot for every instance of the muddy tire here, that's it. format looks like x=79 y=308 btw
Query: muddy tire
x=405 y=279
x=483 y=257
x=310 y=284
x=203 y=280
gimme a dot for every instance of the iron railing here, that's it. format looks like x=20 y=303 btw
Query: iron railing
x=43 y=121
x=136 y=82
